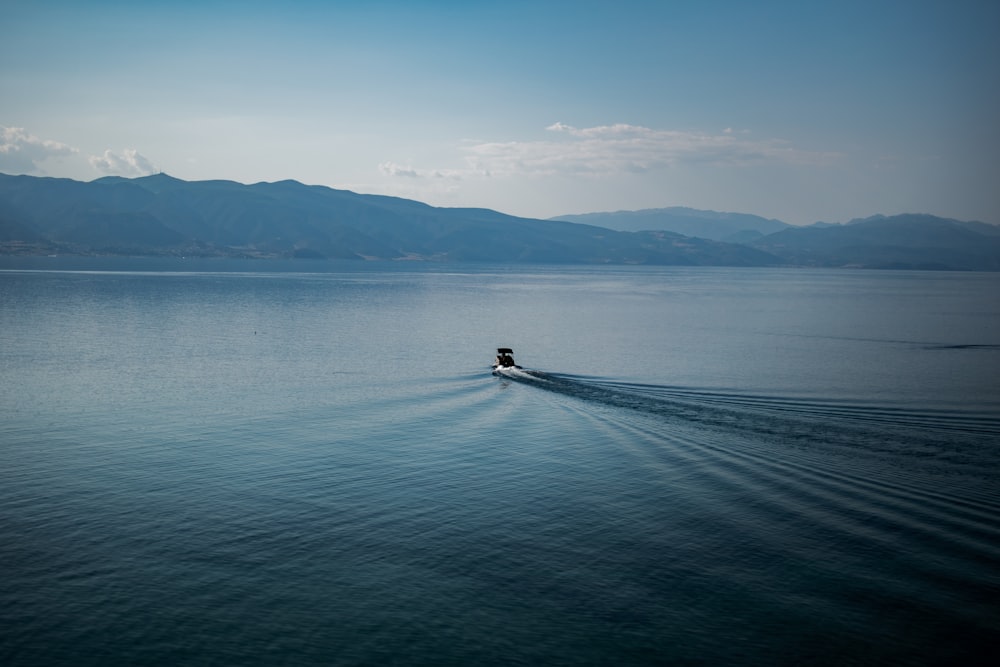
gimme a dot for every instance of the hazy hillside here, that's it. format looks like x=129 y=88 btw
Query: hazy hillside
x=910 y=241
x=164 y=215
x=161 y=215
x=731 y=227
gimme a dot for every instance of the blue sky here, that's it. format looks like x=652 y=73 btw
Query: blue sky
x=801 y=111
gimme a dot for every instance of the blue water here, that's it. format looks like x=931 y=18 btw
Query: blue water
x=252 y=463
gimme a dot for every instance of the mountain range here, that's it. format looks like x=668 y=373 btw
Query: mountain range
x=162 y=215
x=729 y=227
x=908 y=241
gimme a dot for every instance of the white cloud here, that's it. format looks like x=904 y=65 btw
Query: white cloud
x=615 y=149
x=398 y=170
x=617 y=130
x=601 y=164
x=129 y=163
x=21 y=152
x=393 y=169
x=631 y=148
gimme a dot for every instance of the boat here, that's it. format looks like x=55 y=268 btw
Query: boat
x=504 y=360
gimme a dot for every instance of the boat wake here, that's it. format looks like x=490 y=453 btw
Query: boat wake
x=960 y=436
x=863 y=493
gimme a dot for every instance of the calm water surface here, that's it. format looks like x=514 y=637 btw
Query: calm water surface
x=242 y=463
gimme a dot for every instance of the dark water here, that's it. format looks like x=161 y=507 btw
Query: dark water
x=222 y=464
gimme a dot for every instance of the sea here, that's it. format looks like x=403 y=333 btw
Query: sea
x=249 y=462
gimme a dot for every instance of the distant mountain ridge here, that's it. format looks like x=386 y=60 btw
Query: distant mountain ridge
x=908 y=241
x=729 y=227
x=162 y=215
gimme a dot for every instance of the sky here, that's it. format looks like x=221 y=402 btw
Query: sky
x=802 y=111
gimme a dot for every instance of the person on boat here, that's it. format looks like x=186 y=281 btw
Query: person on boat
x=505 y=358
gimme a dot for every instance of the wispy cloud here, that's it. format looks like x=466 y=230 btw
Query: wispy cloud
x=21 y=152
x=617 y=149
x=129 y=163
x=632 y=148
x=393 y=169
